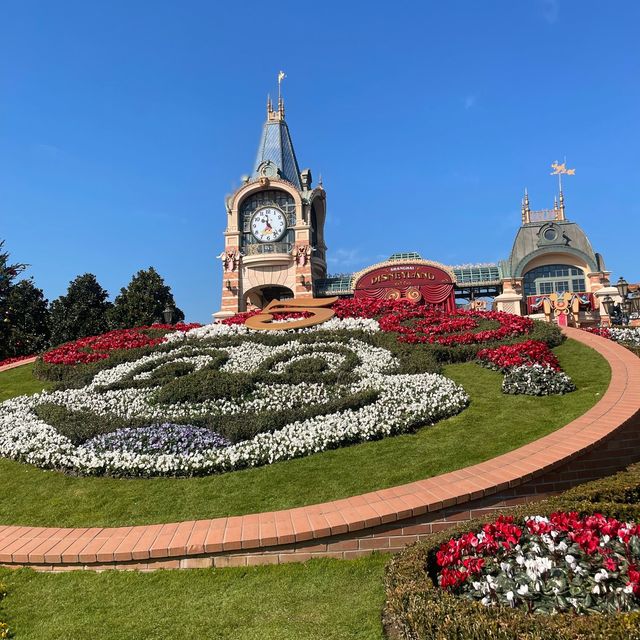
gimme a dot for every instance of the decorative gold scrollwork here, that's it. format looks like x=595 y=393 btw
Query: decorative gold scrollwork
x=393 y=294
x=317 y=307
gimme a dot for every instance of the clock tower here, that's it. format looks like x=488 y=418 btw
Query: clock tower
x=274 y=238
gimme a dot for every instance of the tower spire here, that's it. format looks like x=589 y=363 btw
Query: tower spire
x=276 y=157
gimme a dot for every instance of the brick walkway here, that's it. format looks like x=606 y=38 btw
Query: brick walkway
x=386 y=519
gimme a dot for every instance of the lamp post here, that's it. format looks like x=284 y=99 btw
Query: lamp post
x=607 y=303
x=167 y=314
x=630 y=303
x=623 y=287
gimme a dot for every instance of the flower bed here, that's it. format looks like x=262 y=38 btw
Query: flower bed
x=418 y=324
x=584 y=563
x=525 y=353
x=201 y=400
x=536 y=380
x=627 y=335
x=273 y=403
x=100 y=347
x=530 y=368
x=548 y=565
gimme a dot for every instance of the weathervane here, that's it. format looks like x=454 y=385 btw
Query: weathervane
x=281 y=76
x=560 y=170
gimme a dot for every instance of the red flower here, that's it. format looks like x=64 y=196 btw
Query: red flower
x=7 y=361
x=524 y=353
x=95 y=348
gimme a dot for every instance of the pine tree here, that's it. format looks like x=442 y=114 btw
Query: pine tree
x=143 y=301
x=81 y=312
x=8 y=273
x=28 y=314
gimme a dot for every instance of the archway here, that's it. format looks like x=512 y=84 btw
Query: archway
x=260 y=297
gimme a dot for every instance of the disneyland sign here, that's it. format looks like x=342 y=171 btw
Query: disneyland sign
x=417 y=282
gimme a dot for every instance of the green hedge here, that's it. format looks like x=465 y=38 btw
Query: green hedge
x=417 y=609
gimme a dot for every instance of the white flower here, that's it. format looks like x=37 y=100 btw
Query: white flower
x=404 y=402
x=601 y=575
x=523 y=589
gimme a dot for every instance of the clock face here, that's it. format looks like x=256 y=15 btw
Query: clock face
x=268 y=224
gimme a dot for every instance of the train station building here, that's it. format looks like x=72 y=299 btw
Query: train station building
x=274 y=248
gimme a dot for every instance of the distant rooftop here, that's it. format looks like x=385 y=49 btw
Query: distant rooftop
x=409 y=255
x=466 y=275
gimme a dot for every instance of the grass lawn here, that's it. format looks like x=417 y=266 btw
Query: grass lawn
x=493 y=424
x=320 y=599
x=19 y=381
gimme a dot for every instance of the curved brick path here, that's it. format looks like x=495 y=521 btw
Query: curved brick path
x=386 y=519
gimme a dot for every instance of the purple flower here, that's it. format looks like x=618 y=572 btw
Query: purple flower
x=178 y=439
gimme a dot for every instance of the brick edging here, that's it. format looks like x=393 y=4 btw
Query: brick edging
x=13 y=365
x=386 y=519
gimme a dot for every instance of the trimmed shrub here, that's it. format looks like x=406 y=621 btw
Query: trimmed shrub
x=206 y=384
x=417 y=608
x=79 y=426
x=548 y=332
x=238 y=427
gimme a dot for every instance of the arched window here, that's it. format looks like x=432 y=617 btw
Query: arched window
x=553 y=278
x=280 y=199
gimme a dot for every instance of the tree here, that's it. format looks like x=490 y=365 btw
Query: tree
x=8 y=273
x=81 y=312
x=143 y=301
x=28 y=314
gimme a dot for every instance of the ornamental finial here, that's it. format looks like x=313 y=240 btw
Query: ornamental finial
x=526 y=211
x=281 y=76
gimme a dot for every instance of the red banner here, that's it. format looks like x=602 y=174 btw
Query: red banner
x=416 y=282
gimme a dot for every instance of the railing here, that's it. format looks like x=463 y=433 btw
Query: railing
x=545 y=215
x=266 y=248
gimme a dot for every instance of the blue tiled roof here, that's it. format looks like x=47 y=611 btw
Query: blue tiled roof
x=276 y=146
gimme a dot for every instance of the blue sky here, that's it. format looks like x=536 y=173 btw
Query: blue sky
x=123 y=125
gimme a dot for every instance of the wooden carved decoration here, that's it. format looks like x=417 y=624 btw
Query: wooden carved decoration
x=317 y=307
x=560 y=306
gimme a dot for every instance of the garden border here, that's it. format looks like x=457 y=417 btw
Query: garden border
x=19 y=363
x=603 y=440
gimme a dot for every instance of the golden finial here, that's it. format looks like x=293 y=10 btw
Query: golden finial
x=269 y=105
